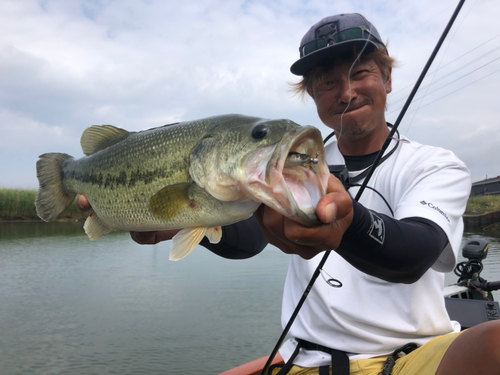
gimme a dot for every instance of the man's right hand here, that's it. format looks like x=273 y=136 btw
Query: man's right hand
x=143 y=238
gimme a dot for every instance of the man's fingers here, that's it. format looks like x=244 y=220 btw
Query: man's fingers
x=83 y=203
x=151 y=238
x=335 y=204
x=144 y=238
x=329 y=213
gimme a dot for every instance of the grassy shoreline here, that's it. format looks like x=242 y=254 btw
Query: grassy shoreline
x=18 y=204
x=483 y=205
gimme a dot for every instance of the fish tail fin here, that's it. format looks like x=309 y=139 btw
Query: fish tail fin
x=52 y=198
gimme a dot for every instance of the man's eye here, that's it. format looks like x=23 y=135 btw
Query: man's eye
x=359 y=72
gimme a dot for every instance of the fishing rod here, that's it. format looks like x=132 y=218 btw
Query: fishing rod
x=409 y=100
x=365 y=182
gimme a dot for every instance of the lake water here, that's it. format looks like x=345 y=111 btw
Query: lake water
x=72 y=306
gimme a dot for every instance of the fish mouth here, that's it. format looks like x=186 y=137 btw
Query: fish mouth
x=296 y=175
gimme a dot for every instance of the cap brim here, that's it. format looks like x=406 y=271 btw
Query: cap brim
x=327 y=54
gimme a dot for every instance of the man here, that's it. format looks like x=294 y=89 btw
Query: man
x=391 y=247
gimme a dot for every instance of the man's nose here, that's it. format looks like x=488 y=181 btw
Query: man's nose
x=347 y=90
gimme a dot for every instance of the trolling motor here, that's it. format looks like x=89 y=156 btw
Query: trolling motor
x=470 y=300
x=469 y=272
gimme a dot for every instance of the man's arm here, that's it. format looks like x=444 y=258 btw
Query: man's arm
x=408 y=249
x=399 y=251
x=241 y=240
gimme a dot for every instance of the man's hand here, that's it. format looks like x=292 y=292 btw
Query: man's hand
x=151 y=238
x=83 y=203
x=143 y=238
x=335 y=212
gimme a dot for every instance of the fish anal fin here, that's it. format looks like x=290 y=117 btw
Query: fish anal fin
x=214 y=234
x=99 y=137
x=95 y=228
x=185 y=241
x=167 y=202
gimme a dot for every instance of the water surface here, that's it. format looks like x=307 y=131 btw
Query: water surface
x=69 y=305
x=72 y=306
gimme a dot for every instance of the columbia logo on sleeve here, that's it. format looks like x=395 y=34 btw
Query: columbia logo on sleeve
x=435 y=208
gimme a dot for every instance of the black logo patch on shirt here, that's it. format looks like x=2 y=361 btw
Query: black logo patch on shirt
x=377 y=228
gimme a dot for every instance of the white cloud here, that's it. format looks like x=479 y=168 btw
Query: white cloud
x=32 y=132
x=68 y=64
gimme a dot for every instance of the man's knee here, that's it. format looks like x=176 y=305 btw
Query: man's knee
x=490 y=339
x=475 y=351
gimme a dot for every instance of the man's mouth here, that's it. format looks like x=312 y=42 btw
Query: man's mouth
x=351 y=107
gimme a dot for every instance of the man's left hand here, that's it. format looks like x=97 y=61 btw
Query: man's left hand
x=335 y=212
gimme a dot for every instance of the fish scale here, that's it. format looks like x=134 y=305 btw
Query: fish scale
x=196 y=176
x=149 y=166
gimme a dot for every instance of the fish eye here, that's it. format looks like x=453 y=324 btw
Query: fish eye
x=260 y=131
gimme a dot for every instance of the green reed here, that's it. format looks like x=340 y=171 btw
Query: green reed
x=484 y=204
x=19 y=204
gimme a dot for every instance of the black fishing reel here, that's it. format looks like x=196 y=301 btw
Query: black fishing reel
x=340 y=171
x=469 y=272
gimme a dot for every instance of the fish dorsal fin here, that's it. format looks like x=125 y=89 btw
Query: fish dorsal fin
x=98 y=137
x=185 y=241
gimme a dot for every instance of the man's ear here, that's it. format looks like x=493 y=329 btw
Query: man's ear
x=388 y=81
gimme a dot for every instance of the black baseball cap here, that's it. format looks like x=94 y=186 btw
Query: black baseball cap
x=332 y=36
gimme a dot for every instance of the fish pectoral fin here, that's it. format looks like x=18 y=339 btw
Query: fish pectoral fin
x=185 y=241
x=167 y=202
x=95 y=228
x=99 y=137
x=214 y=234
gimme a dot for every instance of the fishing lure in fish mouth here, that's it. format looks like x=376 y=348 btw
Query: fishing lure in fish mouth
x=295 y=158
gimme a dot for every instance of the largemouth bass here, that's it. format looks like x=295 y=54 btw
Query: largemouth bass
x=196 y=176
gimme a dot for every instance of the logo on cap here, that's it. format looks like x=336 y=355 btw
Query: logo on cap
x=327 y=31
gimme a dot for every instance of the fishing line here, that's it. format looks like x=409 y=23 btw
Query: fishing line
x=410 y=98
x=459 y=78
x=350 y=91
x=434 y=74
x=332 y=282
x=349 y=84
x=461 y=88
x=322 y=262
x=452 y=61
x=457 y=70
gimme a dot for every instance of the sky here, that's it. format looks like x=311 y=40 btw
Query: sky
x=67 y=64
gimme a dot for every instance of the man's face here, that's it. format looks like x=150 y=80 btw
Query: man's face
x=351 y=99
